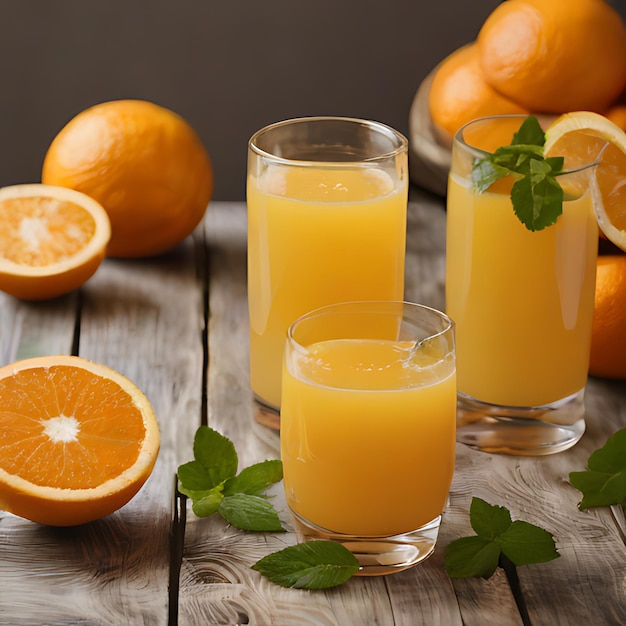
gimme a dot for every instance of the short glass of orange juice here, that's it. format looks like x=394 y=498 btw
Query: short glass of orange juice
x=367 y=436
x=522 y=301
x=327 y=201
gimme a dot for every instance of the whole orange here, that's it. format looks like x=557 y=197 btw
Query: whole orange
x=144 y=164
x=459 y=93
x=555 y=55
x=617 y=114
x=608 y=339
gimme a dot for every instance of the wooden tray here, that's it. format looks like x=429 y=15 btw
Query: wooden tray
x=429 y=152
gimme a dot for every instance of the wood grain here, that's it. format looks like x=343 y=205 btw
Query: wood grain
x=143 y=318
x=152 y=320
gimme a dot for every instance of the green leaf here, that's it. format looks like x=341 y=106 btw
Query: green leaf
x=255 y=478
x=525 y=543
x=611 y=457
x=470 y=557
x=208 y=504
x=194 y=477
x=250 y=512
x=216 y=453
x=537 y=198
x=211 y=484
x=536 y=195
x=309 y=565
x=522 y=543
x=604 y=483
x=488 y=521
x=529 y=133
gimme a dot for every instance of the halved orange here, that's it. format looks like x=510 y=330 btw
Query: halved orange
x=581 y=137
x=78 y=440
x=52 y=240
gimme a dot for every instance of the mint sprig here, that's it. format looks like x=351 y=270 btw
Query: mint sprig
x=497 y=538
x=309 y=565
x=536 y=195
x=213 y=485
x=604 y=483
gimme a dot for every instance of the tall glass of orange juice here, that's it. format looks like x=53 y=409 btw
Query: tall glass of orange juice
x=522 y=301
x=367 y=437
x=327 y=202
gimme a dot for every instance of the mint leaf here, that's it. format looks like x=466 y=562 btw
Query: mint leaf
x=525 y=543
x=215 y=461
x=536 y=195
x=471 y=557
x=208 y=503
x=212 y=483
x=250 y=512
x=522 y=543
x=537 y=198
x=309 y=565
x=488 y=521
x=486 y=172
x=255 y=478
x=530 y=133
x=604 y=483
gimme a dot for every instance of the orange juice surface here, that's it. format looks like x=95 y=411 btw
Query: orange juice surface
x=368 y=435
x=317 y=236
x=522 y=301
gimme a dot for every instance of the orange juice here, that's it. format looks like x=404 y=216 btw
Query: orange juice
x=368 y=434
x=317 y=235
x=522 y=301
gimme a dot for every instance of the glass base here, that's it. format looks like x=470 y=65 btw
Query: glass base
x=530 y=431
x=378 y=556
x=265 y=414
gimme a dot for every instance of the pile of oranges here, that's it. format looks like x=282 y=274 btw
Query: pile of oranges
x=537 y=56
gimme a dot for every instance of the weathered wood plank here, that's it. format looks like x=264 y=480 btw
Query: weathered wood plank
x=425 y=284
x=145 y=319
x=534 y=489
x=30 y=329
x=215 y=552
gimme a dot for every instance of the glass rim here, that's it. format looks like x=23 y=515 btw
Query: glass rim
x=402 y=143
x=326 y=309
x=480 y=153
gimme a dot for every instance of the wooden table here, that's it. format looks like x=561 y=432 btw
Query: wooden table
x=177 y=325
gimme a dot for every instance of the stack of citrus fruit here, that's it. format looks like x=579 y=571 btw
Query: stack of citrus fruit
x=541 y=56
x=78 y=440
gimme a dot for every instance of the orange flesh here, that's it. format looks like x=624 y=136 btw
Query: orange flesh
x=583 y=147
x=610 y=175
x=40 y=231
x=66 y=427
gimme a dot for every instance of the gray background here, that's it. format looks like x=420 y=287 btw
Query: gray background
x=228 y=67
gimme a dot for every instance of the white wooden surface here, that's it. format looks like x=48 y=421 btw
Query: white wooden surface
x=147 y=319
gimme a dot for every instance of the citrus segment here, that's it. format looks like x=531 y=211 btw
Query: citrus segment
x=79 y=440
x=583 y=137
x=51 y=240
x=146 y=166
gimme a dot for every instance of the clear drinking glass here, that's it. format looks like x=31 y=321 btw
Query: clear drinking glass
x=327 y=200
x=522 y=303
x=367 y=435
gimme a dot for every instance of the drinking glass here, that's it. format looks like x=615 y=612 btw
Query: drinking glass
x=522 y=303
x=368 y=428
x=327 y=200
